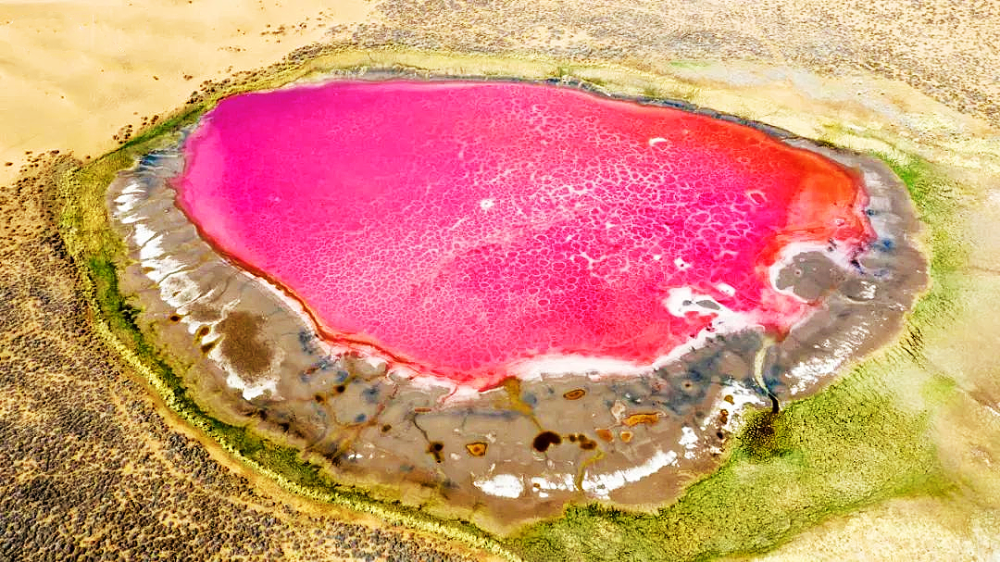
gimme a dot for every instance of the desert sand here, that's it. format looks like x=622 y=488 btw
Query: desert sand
x=72 y=74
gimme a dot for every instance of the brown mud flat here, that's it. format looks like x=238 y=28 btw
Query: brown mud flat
x=94 y=467
x=253 y=358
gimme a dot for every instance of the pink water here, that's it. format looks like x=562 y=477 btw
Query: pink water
x=464 y=227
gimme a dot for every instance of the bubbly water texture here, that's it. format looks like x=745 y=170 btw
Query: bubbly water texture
x=463 y=228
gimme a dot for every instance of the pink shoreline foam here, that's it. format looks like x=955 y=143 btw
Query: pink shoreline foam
x=466 y=228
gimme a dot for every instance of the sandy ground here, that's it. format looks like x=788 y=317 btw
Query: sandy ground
x=72 y=74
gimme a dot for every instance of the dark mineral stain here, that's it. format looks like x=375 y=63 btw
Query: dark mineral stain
x=242 y=344
x=435 y=448
x=386 y=428
x=208 y=347
x=476 y=449
x=605 y=434
x=370 y=394
x=340 y=388
x=575 y=394
x=175 y=318
x=586 y=443
x=764 y=435
x=306 y=341
x=546 y=439
x=202 y=332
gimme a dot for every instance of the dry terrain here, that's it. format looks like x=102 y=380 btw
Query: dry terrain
x=92 y=466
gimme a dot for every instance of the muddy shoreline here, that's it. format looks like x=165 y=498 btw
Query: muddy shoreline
x=255 y=359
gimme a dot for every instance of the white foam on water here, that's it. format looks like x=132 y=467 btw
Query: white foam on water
x=601 y=485
x=142 y=234
x=688 y=440
x=679 y=302
x=821 y=367
x=726 y=289
x=251 y=391
x=501 y=485
x=741 y=395
x=595 y=485
x=126 y=202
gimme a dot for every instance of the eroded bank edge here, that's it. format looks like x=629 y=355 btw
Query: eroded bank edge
x=851 y=446
x=98 y=254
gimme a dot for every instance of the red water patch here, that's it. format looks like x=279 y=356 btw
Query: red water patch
x=465 y=226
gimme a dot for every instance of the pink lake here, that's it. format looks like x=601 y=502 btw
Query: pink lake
x=468 y=229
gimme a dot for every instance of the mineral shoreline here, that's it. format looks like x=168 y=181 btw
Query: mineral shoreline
x=257 y=358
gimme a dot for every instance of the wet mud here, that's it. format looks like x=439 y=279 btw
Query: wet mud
x=521 y=451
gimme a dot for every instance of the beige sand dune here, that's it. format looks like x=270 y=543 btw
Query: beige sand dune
x=72 y=73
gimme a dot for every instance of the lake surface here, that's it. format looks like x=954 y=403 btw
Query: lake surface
x=474 y=231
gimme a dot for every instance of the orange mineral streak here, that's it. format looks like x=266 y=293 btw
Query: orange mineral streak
x=829 y=205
